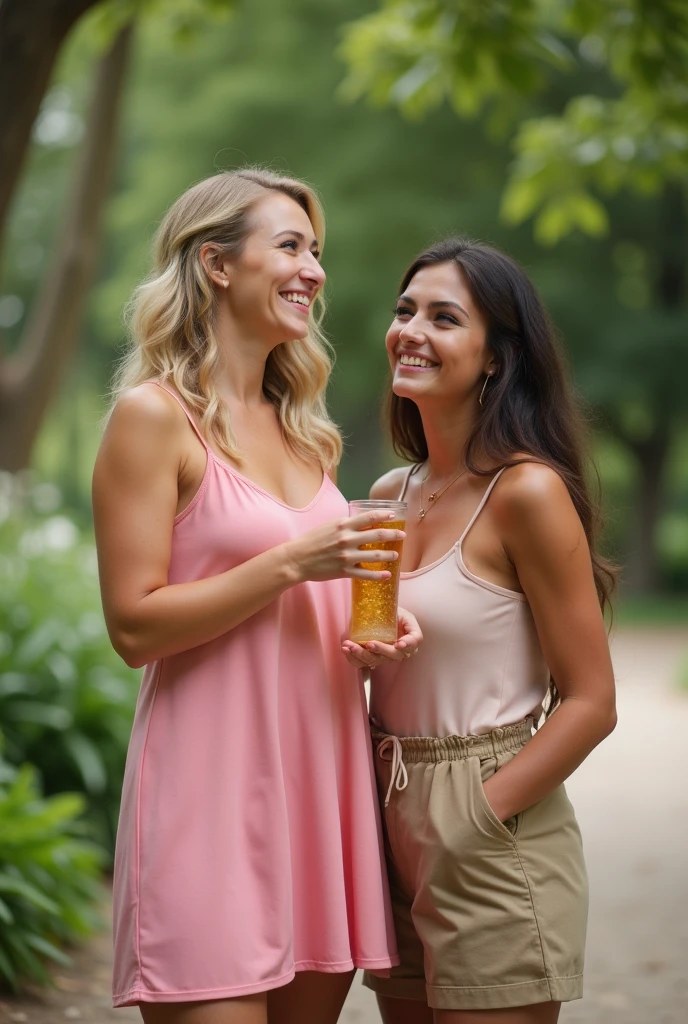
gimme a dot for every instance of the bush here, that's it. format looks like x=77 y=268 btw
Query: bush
x=66 y=699
x=48 y=876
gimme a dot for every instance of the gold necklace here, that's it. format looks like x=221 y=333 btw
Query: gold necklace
x=436 y=495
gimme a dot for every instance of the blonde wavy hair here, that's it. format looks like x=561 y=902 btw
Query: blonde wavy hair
x=171 y=318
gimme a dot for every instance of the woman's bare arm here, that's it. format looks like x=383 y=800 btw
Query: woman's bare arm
x=544 y=538
x=134 y=502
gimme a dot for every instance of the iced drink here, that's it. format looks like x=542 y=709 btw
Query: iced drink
x=374 y=602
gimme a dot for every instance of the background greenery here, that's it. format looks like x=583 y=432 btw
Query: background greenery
x=266 y=86
x=450 y=143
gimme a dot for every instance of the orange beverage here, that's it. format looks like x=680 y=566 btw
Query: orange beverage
x=374 y=602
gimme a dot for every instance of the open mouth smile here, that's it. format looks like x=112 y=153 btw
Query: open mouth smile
x=416 y=362
x=299 y=300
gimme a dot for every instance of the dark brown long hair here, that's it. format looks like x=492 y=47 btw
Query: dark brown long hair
x=528 y=405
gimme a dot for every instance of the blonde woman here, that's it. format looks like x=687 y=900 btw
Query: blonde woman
x=249 y=882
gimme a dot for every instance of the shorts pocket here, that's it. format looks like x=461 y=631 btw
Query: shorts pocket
x=487 y=819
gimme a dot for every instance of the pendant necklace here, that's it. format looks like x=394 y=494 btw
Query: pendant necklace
x=436 y=495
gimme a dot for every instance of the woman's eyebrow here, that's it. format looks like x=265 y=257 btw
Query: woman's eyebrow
x=297 y=234
x=448 y=302
x=435 y=305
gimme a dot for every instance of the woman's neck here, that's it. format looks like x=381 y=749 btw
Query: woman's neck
x=446 y=434
x=239 y=376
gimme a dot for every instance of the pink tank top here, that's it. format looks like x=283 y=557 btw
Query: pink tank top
x=481 y=664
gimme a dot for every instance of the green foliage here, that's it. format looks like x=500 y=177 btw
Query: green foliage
x=178 y=21
x=66 y=700
x=595 y=96
x=597 y=144
x=263 y=88
x=633 y=133
x=48 y=877
x=415 y=53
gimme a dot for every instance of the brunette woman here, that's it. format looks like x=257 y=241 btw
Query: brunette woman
x=499 y=565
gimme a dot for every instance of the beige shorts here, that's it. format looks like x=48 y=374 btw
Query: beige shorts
x=487 y=914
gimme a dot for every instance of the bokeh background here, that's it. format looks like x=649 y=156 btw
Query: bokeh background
x=558 y=130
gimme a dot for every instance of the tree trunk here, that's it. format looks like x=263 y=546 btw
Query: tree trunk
x=643 y=571
x=31 y=35
x=29 y=377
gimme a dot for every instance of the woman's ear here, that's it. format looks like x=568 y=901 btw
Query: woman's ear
x=491 y=367
x=214 y=264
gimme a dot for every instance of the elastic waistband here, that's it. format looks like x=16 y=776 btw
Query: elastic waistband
x=456 y=748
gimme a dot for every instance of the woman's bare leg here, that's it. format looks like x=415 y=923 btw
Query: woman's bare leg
x=540 y=1013
x=311 y=998
x=403 y=1011
x=247 y=1010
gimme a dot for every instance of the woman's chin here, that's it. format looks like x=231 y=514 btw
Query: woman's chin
x=406 y=389
x=292 y=333
x=298 y=330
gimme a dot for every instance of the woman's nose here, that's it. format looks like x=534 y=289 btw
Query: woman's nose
x=411 y=333
x=312 y=271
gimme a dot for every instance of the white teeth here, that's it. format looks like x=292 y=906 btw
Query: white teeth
x=414 y=361
x=302 y=300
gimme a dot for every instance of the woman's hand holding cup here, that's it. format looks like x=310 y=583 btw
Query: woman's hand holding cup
x=333 y=550
x=371 y=654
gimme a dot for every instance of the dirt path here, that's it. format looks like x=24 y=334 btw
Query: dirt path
x=632 y=802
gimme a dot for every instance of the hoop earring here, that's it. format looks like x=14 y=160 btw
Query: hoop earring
x=487 y=377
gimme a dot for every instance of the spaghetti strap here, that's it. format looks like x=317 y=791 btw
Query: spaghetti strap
x=189 y=417
x=412 y=469
x=483 y=500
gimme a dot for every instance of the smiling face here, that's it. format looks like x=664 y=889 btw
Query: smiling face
x=437 y=341
x=273 y=283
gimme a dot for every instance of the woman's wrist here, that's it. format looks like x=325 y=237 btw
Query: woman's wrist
x=491 y=790
x=289 y=564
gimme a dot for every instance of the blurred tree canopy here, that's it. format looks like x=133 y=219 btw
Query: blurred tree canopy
x=625 y=124
x=594 y=94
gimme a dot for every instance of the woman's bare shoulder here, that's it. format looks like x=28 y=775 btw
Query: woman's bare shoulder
x=532 y=502
x=146 y=426
x=529 y=484
x=149 y=406
x=389 y=486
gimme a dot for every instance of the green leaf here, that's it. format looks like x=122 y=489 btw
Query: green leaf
x=88 y=760
x=7 y=971
x=552 y=223
x=26 y=959
x=6 y=915
x=16 y=682
x=18 y=887
x=520 y=199
x=590 y=215
x=48 y=949
x=51 y=715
